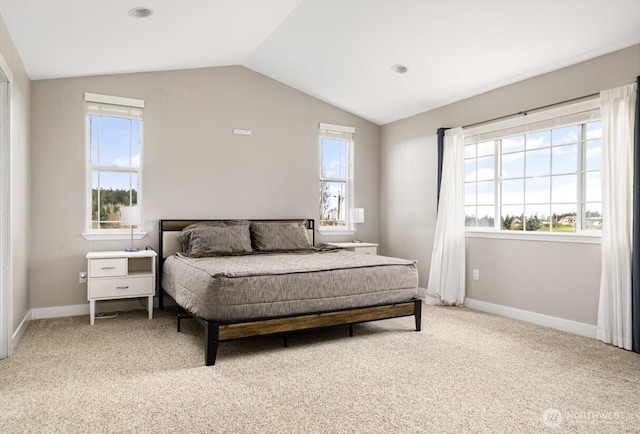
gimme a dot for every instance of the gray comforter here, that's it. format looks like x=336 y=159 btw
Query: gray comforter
x=230 y=288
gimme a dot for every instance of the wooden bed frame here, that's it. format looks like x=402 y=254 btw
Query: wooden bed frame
x=218 y=331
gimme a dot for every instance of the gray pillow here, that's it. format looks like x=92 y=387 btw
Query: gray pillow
x=216 y=237
x=268 y=236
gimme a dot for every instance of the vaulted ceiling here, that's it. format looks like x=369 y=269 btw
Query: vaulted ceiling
x=340 y=51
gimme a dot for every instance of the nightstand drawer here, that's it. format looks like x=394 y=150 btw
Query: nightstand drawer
x=108 y=267
x=121 y=288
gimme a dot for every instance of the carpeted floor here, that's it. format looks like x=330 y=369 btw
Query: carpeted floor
x=465 y=372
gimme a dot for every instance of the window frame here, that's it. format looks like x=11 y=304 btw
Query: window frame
x=102 y=234
x=335 y=131
x=552 y=118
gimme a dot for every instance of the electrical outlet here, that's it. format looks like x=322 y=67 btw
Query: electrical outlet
x=82 y=277
x=476 y=274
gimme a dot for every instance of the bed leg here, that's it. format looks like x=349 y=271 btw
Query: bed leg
x=285 y=342
x=179 y=318
x=418 y=314
x=211 y=331
x=350 y=330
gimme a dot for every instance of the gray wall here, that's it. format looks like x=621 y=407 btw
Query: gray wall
x=565 y=280
x=194 y=167
x=20 y=196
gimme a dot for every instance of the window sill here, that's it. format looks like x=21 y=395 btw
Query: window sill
x=112 y=236
x=336 y=232
x=578 y=238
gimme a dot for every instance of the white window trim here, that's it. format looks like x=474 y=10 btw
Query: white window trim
x=117 y=234
x=115 y=100
x=337 y=128
x=558 y=237
x=474 y=134
x=111 y=234
x=548 y=114
x=349 y=229
x=336 y=232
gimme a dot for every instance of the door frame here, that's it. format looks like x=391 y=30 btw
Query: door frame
x=6 y=310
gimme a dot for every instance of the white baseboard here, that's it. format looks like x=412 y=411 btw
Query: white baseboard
x=565 y=325
x=83 y=309
x=60 y=311
x=17 y=334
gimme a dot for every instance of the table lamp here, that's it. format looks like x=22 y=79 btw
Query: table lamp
x=130 y=216
x=357 y=216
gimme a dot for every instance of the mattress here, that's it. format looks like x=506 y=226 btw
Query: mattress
x=235 y=288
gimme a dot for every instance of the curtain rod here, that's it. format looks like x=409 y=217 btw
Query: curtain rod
x=526 y=112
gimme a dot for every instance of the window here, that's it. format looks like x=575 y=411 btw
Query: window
x=114 y=159
x=542 y=176
x=336 y=177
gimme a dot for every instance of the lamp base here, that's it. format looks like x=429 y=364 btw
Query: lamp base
x=132 y=249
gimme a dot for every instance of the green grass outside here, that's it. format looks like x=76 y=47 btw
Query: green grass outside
x=557 y=228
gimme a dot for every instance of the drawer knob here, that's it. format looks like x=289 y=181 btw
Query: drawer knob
x=122 y=287
x=108 y=268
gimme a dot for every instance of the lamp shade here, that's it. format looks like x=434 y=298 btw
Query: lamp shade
x=130 y=215
x=357 y=215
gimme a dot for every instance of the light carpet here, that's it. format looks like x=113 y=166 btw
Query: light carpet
x=466 y=371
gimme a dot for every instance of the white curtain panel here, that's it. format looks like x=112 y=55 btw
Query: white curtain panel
x=447 y=275
x=617 y=107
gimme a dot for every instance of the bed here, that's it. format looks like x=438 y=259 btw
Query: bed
x=241 y=278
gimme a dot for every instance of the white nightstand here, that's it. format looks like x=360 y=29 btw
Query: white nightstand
x=366 y=248
x=113 y=275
